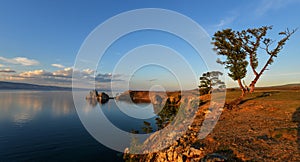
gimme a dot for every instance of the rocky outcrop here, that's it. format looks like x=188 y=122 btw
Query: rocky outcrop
x=135 y=96
x=181 y=143
x=178 y=142
x=156 y=98
x=185 y=149
x=103 y=97
x=95 y=96
x=178 y=154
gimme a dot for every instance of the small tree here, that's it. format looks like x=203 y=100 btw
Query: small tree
x=210 y=80
x=147 y=127
x=240 y=49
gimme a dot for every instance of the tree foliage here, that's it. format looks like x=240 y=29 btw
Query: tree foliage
x=228 y=44
x=210 y=80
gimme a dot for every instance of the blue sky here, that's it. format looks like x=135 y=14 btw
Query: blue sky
x=39 y=40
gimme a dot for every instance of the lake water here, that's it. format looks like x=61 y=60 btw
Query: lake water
x=44 y=126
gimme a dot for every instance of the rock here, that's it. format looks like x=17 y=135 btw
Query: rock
x=173 y=99
x=175 y=155
x=170 y=155
x=210 y=139
x=214 y=157
x=94 y=95
x=195 y=152
x=103 y=97
x=180 y=159
x=126 y=151
x=175 y=143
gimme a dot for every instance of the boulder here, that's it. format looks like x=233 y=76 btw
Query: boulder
x=95 y=96
x=103 y=97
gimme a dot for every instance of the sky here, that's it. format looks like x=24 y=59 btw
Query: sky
x=40 y=39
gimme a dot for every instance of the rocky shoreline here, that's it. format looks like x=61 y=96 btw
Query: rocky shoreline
x=182 y=147
x=263 y=128
x=150 y=97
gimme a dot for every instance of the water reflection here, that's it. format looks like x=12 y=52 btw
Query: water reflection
x=39 y=126
x=154 y=117
x=62 y=105
x=21 y=118
x=122 y=114
x=92 y=102
x=22 y=106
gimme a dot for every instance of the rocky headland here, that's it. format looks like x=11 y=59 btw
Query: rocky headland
x=262 y=128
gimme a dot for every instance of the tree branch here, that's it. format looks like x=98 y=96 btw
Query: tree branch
x=252 y=65
x=272 y=54
x=252 y=46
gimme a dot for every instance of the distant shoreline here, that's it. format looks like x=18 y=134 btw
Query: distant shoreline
x=35 y=87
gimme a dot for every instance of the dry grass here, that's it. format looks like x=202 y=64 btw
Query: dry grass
x=262 y=128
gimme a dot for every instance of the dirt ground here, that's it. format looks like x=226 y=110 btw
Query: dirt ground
x=265 y=127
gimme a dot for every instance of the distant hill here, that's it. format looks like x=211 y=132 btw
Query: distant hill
x=295 y=86
x=26 y=86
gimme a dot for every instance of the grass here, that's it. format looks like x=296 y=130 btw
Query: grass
x=287 y=100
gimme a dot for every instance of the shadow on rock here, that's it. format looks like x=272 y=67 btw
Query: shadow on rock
x=221 y=156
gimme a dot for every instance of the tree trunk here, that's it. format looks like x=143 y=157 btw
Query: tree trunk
x=234 y=103
x=252 y=85
x=242 y=87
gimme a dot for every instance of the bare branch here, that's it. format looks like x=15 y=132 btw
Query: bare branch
x=272 y=53
x=281 y=43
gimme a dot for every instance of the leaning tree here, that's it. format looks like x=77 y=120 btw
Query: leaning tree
x=240 y=49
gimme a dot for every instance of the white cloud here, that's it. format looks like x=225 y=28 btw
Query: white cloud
x=66 y=72
x=7 y=70
x=20 y=60
x=56 y=76
x=62 y=77
x=1 y=65
x=225 y=21
x=267 y=5
x=58 y=65
x=34 y=73
x=88 y=71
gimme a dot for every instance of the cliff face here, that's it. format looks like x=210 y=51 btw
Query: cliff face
x=140 y=96
x=177 y=141
x=155 y=98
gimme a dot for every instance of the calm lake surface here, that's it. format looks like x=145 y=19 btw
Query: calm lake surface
x=44 y=126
